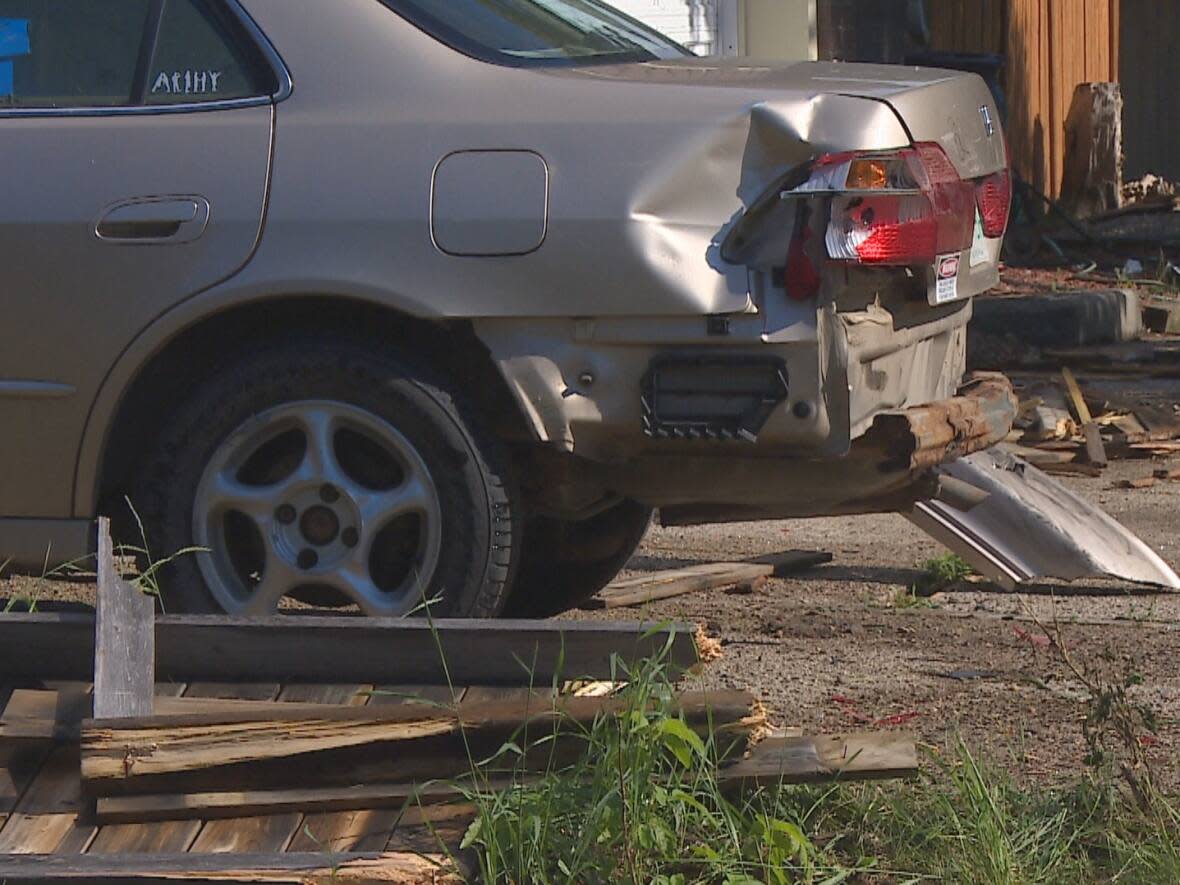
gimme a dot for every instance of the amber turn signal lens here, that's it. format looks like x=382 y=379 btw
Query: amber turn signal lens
x=868 y=175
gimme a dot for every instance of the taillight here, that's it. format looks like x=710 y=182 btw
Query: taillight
x=993 y=196
x=898 y=208
x=803 y=280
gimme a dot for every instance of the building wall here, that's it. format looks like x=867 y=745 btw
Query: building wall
x=776 y=30
x=691 y=22
x=783 y=30
x=1149 y=68
x=1051 y=46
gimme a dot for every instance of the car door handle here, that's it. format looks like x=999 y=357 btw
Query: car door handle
x=154 y=220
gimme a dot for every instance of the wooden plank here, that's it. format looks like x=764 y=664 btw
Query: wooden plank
x=274 y=831
x=47 y=817
x=124 y=654
x=368 y=827
x=130 y=749
x=638 y=589
x=250 y=803
x=312 y=868
x=199 y=648
x=37 y=715
x=256 y=832
x=18 y=768
x=1076 y=400
x=1095 y=450
x=803 y=759
x=161 y=837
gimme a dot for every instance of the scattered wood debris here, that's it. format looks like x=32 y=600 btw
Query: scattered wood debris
x=318 y=780
x=1061 y=430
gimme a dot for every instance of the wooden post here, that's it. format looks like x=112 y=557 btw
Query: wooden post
x=1093 y=178
x=124 y=641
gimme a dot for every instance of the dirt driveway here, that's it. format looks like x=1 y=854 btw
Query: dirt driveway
x=840 y=647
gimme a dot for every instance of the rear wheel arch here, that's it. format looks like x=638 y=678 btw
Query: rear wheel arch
x=184 y=359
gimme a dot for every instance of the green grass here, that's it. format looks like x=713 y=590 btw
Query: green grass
x=940 y=574
x=643 y=802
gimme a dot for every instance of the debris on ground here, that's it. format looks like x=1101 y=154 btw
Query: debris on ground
x=152 y=751
x=1061 y=429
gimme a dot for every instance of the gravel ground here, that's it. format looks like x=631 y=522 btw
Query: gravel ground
x=838 y=648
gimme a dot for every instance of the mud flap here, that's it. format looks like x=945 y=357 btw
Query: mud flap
x=1019 y=525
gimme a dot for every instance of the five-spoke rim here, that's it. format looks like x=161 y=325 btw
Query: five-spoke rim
x=322 y=498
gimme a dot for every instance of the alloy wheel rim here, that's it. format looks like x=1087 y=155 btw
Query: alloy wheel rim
x=317 y=497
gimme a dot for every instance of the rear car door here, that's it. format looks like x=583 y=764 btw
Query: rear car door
x=135 y=144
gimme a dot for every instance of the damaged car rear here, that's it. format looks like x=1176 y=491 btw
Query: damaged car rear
x=508 y=277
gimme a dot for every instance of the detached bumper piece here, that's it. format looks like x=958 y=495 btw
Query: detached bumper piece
x=1025 y=526
x=712 y=397
x=980 y=416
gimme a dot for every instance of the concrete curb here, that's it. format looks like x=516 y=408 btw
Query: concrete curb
x=1066 y=319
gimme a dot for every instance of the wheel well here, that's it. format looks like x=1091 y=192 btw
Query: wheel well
x=181 y=366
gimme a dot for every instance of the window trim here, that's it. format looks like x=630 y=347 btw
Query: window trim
x=270 y=55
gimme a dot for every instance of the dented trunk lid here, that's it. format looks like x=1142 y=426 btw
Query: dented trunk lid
x=1015 y=525
x=952 y=108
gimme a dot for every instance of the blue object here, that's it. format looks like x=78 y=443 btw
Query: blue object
x=6 y=86
x=14 y=37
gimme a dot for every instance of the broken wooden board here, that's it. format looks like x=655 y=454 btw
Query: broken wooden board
x=1076 y=400
x=638 y=589
x=200 y=648
x=124 y=657
x=119 y=755
x=1095 y=450
x=789 y=759
x=58 y=715
x=305 y=868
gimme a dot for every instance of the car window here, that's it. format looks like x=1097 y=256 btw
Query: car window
x=202 y=56
x=62 y=53
x=538 y=32
x=90 y=53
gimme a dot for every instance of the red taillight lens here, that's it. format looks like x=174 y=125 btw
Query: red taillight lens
x=993 y=196
x=901 y=208
x=883 y=230
x=803 y=280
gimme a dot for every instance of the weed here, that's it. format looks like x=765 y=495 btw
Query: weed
x=643 y=801
x=940 y=574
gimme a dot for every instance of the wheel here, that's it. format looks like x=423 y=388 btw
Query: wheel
x=331 y=474
x=562 y=563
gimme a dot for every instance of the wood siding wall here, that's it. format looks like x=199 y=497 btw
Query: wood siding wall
x=1051 y=47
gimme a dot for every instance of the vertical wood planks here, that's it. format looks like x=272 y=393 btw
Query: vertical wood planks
x=1051 y=47
x=124 y=649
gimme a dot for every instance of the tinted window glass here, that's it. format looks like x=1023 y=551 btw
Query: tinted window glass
x=201 y=55
x=68 y=53
x=87 y=53
x=538 y=32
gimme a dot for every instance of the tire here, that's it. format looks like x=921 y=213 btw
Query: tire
x=343 y=474
x=562 y=563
